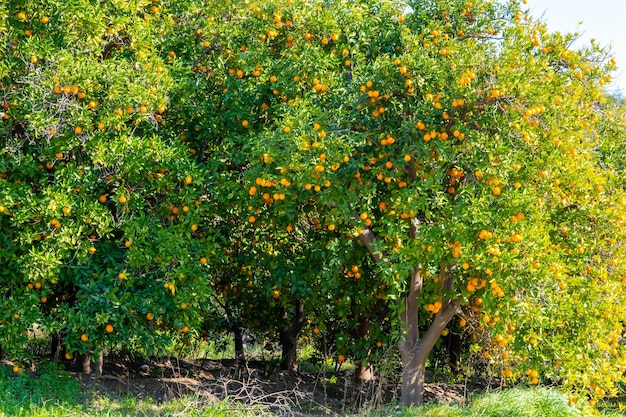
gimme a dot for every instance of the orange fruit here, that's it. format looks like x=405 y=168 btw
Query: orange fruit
x=275 y=294
x=122 y=199
x=316 y=331
x=188 y=180
x=128 y=243
x=185 y=329
x=84 y=337
x=150 y=316
x=109 y=328
x=203 y=261
x=17 y=369
x=78 y=130
x=341 y=358
x=102 y=199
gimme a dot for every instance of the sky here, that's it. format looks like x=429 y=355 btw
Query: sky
x=602 y=20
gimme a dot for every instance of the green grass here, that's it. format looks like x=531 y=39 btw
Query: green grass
x=52 y=392
x=517 y=402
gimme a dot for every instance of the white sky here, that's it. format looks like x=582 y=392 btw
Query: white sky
x=602 y=20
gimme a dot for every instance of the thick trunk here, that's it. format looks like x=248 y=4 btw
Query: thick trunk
x=363 y=372
x=56 y=348
x=92 y=364
x=289 y=338
x=289 y=357
x=414 y=350
x=238 y=336
x=413 y=373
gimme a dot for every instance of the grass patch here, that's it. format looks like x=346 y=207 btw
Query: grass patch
x=516 y=402
x=52 y=392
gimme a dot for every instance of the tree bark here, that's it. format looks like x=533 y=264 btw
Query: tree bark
x=414 y=350
x=238 y=336
x=91 y=364
x=288 y=338
x=363 y=372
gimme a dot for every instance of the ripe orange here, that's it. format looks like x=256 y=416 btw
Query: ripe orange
x=78 y=130
x=341 y=358
x=109 y=328
x=84 y=337
x=150 y=316
x=185 y=329
x=194 y=227
x=17 y=369
x=316 y=331
x=203 y=261
x=188 y=180
x=275 y=294
x=128 y=243
x=102 y=199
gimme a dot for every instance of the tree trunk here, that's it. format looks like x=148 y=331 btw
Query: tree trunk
x=56 y=348
x=238 y=335
x=414 y=350
x=91 y=364
x=289 y=338
x=363 y=372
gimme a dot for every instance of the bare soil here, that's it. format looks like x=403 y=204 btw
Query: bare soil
x=280 y=392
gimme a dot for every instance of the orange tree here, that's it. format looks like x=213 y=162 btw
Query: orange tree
x=467 y=150
x=246 y=77
x=103 y=214
x=465 y=147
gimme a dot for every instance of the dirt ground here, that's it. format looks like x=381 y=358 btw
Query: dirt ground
x=281 y=392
